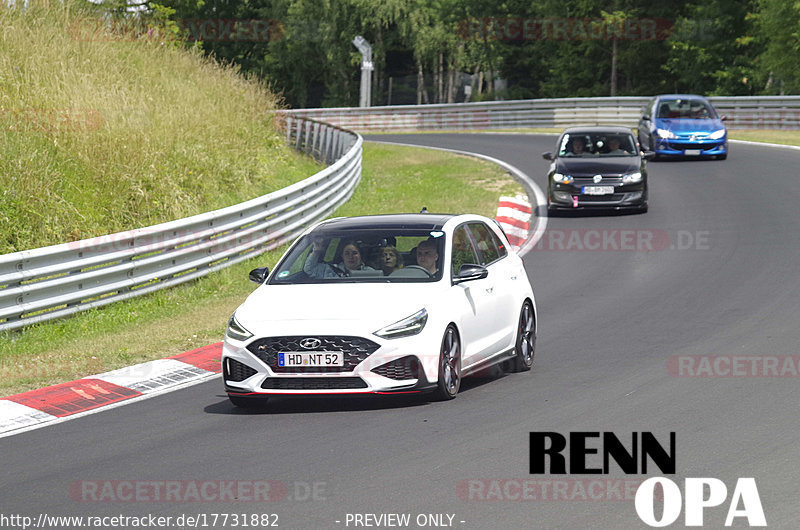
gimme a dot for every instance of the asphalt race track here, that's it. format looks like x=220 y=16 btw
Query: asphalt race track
x=710 y=272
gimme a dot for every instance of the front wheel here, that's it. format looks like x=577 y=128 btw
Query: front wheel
x=525 y=346
x=449 y=366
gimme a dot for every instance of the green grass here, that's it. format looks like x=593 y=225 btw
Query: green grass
x=394 y=179
x=766 y=135
x=99 y=135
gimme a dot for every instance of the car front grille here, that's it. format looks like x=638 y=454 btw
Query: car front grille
x=402 y=368
x=234 y=370
x=354 y=351
x=313 y=383
x=608 y=180
x=700 y=144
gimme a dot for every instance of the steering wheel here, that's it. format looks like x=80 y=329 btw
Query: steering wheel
x=418 y=267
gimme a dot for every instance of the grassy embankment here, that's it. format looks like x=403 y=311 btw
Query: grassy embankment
x=103 y=135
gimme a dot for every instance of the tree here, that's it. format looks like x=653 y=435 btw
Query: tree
x=711 y=52
x=778 y=27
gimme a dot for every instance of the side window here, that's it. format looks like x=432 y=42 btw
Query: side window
x=463 y=251
x=501 y=248
x=486 y=244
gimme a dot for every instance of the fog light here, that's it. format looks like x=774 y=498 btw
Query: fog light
x=562 y=196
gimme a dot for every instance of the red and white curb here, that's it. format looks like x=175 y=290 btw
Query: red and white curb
x=514 y=215
x=30 y=410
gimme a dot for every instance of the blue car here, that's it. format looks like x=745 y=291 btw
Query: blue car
x=683 y=125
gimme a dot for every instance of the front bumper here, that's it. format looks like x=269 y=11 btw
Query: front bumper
x=686 y=147
x=568 y=197
x=396 y=366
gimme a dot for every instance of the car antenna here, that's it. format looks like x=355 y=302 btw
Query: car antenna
x=424 y=210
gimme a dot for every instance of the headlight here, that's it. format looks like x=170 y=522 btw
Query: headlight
x=630 y=178
x=236 y=331
x=406 y=327
x=664 y=133
x=563 y=179
x=716 y=135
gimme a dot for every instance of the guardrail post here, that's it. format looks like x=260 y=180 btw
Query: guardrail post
x=336 y=146
x=316 y=152
x=307 y=140
x=329 y=132
x=299 y=137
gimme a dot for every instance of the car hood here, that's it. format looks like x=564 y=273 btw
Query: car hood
x=686 y=126
x=373 y=305
x=596 y=165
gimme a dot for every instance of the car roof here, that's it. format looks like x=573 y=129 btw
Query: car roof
x=610 y=129
x=424 y=221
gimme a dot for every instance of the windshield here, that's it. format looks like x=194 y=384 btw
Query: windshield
x=398 y=255
x=692 y=109
x=597 y=144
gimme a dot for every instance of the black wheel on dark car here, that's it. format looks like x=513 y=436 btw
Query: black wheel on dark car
x=449 y=366
x=248 y=402
x=525 y=347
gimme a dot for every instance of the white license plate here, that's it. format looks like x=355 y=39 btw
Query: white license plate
x=692 y=152
x=320 y=358
x=598 y=190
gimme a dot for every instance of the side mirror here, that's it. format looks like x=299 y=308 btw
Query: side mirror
x=648 y=155
x=469 y=272
x=259 y=275
x=646 y=117
x=547 y=155
x=723 y=118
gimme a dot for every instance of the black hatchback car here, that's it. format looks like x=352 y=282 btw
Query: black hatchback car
x=597 y=167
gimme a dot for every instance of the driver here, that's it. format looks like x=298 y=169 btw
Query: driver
x=428 y=256
x=614 y=146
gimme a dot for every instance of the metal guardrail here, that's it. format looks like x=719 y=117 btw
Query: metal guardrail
x=766 y=112
x=59 y=280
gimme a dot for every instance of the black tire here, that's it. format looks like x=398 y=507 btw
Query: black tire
x=449 y=380
x=525 y=347
x=248 y=402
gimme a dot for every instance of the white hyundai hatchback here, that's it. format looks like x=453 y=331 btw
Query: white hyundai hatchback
x=385 y=304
